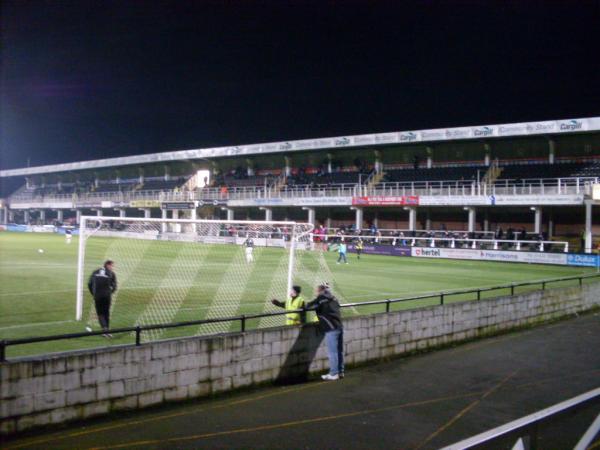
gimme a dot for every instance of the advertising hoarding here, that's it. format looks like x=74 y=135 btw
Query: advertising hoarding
x=388 y=250
x=490 y=255
x=386 y=200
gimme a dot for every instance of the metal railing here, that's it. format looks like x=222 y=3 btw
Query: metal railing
x=528 y=428
x=542 y=186
x=456 y=241
x=442 y=296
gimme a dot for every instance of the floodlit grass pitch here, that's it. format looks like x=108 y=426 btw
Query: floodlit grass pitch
x=37 y=290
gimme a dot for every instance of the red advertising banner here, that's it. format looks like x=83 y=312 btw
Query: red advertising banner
x=386 y=200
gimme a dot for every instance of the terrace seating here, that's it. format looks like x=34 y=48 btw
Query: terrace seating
x=246 y=181
x=163 y=185
x=468 y=173
x=559 y=170
x=325 y=178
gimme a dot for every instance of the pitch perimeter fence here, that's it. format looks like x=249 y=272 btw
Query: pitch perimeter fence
x=440 y=297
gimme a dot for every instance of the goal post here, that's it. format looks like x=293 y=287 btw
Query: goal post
x=185 y=269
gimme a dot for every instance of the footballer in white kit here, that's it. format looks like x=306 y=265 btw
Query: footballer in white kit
x=249 y=244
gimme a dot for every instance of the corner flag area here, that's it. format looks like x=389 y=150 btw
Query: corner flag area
x=421 y=402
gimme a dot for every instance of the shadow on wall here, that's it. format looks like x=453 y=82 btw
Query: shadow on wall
x=296 y=366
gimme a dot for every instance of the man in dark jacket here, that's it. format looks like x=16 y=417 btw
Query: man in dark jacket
x=102 y=285
x=330 y=322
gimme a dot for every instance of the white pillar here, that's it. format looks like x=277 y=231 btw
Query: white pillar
x=78 y=216
x=230 y=213
x=99 y=212
x=376 y=219
x=175 y=214
x=328 y=222
x=412 y=217
x=358 y=211
x=122 y=212
x=11 y=216
x=42 y=215
x=26 y=217
x=59 y=215
x=311 y=214
x=167 y=175
x=537 y=227
x=194 y=216
x=551 y=151
x=486 y=222
x=163 y=227
x=472 y=218
x=588 y=226
x=288 y=166
x=5 y=215
x=488 y=152
x=268 y=213
x=147 y=213
x=428 y=221
x=550 y=227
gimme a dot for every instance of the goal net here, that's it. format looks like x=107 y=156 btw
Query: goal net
x=177 y=270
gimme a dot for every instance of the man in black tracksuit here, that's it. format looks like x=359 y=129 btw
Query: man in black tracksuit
x=330 y=322
x=102 y=284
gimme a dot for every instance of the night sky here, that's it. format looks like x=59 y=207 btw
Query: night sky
x=90 y=79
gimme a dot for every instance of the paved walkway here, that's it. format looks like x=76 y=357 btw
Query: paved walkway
x=420 y=402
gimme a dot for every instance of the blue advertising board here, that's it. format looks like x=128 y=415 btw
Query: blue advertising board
x=584 y=260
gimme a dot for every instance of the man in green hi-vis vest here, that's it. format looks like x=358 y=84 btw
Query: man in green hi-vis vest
x=294 y=302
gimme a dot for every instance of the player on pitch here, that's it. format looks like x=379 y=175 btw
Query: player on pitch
x=102 y=285
x=249 y=244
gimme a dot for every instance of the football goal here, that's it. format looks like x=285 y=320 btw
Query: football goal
x=174 y=270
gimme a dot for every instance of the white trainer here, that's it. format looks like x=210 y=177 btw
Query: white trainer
x=329 y=377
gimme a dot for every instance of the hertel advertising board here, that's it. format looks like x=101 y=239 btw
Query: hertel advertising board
x=490 y=255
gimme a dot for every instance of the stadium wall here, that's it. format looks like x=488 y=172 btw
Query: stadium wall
x=78 y=385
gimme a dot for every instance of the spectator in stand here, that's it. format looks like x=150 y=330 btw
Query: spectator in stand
x=499 y=233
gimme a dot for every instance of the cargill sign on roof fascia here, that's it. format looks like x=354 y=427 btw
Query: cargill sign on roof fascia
x=400 y=137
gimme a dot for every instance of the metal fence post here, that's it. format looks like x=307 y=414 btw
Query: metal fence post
x=387 y=305
x=2 y=350
x=441 y=299
x=478 y=294
x=243 y=323
x=512 y=289
x=138 y=335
